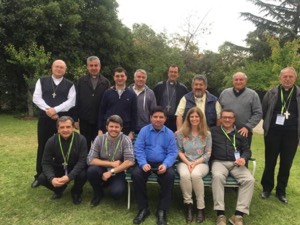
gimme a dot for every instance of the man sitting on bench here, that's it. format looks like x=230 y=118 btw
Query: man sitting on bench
x=230 y=152
x=156 y=151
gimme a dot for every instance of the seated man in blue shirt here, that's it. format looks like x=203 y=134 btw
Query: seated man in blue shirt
x=156 y=151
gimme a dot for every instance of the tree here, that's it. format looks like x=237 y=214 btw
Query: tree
x=280 y=19
x=33 y=62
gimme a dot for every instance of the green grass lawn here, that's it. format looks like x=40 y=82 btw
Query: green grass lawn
x=20 y=204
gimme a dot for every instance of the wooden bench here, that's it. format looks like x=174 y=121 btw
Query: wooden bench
x=152 y=179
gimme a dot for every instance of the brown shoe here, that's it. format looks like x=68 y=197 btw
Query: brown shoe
x=221 y=220
x=236 y=220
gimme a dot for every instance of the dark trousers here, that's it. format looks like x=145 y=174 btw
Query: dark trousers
x=89 y=131
x=45 y=129
x=77 y=188
x=283 y=144
x=165 y=180
x=116 y=184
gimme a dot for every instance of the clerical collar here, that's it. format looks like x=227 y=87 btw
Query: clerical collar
x=171 y=82
x=57 y=80
x=238 y=92
x=94 y=76
x=286 y=89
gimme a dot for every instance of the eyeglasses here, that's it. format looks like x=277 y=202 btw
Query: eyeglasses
x=228 y=117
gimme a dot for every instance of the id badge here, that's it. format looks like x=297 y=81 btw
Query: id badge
x=280 y=119
x=237 y=155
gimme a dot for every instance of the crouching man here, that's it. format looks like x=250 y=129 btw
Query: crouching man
x=110 y=155
x=64 y=160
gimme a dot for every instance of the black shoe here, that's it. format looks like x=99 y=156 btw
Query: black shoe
x=141 y=216
x=35 y=183
x=265 y=194
x=76 y=199
x=200 y=217
x=95 y=200
x=56 y=195
x=282 y=198
x=189 y=212
x=161 y=217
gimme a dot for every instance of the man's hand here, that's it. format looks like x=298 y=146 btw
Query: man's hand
x=60 y=181
x=100 y=132
x=76 y=125
x=131 y=135
x=106 y=175
x=162 y=169
x=146 y=167
x=50 y=112
x=243 y=131
x=240 y=162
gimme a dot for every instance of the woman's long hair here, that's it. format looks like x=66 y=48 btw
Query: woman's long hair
x=202 y=128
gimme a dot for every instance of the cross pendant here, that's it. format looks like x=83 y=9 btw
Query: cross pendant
x=53 y=95
x=287 y=114
x=65 y=165
x=168 y=107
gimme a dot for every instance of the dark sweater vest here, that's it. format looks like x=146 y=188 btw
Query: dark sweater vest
x=210 y=107
x=61 y=91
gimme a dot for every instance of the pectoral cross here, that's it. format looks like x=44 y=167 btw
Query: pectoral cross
x=65 y=165
x=53 y=95
x=287 y=114
x=168 y=107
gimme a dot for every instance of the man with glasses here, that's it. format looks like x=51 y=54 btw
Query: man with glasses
x=230 y=152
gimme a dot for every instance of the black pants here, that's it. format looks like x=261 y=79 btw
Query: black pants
x=116 y=184
x=282 y=143
x=171 y=123
x=77 y=188
x=89 y=131
x=45 y=129
x=165 y=180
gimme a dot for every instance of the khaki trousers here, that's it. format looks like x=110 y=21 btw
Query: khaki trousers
x=220 y=170
x=193 y=181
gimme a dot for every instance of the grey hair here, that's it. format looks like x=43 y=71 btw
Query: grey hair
x=199 y=77
x=245 y=76
x=64 y=119
x=92 y=58
x=140 y=71
x=288 y=68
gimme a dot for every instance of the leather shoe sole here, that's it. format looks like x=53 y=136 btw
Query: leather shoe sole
x=35 y=184
x=265 y=194
x=141 y=216
x=282 y=198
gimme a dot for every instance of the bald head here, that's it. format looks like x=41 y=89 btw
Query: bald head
x=58 y=68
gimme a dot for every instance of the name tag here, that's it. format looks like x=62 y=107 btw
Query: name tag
x=237 y=155
x=280 y=119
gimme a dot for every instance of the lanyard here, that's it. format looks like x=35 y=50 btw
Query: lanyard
x=115 y=151
x=66 y=157
x=283 y=107
x=233 y=142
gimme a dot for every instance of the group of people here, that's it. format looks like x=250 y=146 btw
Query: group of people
x=167 y=123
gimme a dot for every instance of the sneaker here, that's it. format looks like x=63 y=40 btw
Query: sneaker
x=221 y=220
x=236 y=220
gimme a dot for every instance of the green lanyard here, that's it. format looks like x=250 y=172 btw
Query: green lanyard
x=283 y=107
x=65 y=157
x=115 y=151
x=232 y=141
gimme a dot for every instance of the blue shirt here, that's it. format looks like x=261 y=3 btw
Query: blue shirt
x=153 y=146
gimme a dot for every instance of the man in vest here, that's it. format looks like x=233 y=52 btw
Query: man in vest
x=54 y=96
x=200 y=97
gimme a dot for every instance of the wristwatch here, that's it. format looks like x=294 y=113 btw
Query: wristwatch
x=113 y=172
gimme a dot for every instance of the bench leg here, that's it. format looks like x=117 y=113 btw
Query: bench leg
x=128 y=195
